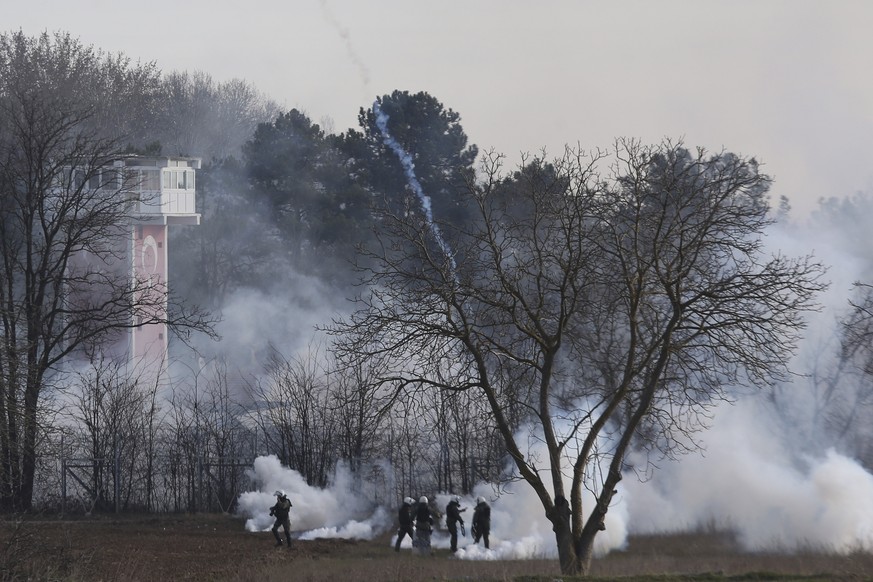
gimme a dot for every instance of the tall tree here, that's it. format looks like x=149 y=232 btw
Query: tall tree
x=320 y=210
x=198 y=116
x=611 y=314
x=437 y=146
x=63 y=218
x=121 y=97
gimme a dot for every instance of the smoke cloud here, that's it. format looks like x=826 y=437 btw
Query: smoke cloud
x=520 y=530
x=769 y=470
x=749 y=482
x=343 y=509
x=768 y=473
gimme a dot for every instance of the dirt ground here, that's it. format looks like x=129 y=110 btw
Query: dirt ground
x=217 y=547
x=206 y=547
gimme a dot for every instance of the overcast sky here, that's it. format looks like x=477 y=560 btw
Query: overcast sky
x=786 y=81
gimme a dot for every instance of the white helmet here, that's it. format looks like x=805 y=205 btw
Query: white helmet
x=456 y=498
x=480 y=499
x=423 y=500
x=408 y=500
x=279 y=493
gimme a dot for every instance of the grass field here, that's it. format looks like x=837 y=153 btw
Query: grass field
x=217 y=547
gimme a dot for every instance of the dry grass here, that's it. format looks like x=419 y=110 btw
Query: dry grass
x=214 y=547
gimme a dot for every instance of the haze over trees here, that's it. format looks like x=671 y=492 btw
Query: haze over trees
x=62 y=199
x=594 y=313
x=590 y=305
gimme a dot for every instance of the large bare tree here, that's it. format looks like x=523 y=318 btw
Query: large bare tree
x=64 y=212
x=594 y=312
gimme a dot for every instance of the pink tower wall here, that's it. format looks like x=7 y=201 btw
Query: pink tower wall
x=149 y=342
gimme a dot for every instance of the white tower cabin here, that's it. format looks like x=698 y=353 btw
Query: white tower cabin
x=162 y=195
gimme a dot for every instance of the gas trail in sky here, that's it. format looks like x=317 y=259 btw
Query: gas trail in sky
x=409 y=170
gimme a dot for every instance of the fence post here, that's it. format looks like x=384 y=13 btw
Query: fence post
x=117 y=472
x=63 y=480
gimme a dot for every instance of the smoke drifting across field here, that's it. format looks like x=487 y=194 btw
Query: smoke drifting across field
x=749 y=482
x=345 y=509
x=767 y=472
x=342 y=510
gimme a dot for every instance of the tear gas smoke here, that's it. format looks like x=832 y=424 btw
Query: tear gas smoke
x=519 y=528
x=343 y=509
x=409 y=170
x=766 y=474
x=746 y=481
x=253 y=320
x=766 y=471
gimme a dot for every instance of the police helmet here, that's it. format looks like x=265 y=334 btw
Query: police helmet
x=456 y=498
x=408 y=500
x=480 y=499
x=279 y=493
x=423 y=499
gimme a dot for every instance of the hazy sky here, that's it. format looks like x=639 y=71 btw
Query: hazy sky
x=786 y=81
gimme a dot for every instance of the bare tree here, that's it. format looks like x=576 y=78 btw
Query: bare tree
x=225 y=442
x=354 y=402
x=202 y=117
x=295 y=415
x=844 y=391
x=111 y=414
x=596 y=312
x=63 y=216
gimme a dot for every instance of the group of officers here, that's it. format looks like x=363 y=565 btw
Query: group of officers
x=421 y=518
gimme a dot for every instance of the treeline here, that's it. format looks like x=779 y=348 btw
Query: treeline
x=281 y=200
x=294 y=219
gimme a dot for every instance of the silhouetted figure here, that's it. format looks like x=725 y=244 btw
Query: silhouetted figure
x=481 y=521
x=423 y=526
x=405 y=518
x=281 y=512
x=453 y=518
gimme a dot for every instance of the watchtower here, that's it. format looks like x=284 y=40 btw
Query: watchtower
x=162 y=193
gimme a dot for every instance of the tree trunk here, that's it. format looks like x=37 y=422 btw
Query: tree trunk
x=575 y=559
x=585 y=551
x=28 y=452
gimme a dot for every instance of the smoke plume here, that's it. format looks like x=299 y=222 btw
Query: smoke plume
x=343 y=509
x=409 y=169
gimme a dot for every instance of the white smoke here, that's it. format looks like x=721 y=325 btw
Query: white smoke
x=745 y=481
x=519 y=527
x=340 y=510
x=409 y=169
x=520 y=530
x=776 y=488
x=768 y=473
x=252 y=319
x=367 y=529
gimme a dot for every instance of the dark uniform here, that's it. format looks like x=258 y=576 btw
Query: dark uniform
x=281 y=512
x=481 y=521
x=453 y=517
x=423 y=526
x=405 y=518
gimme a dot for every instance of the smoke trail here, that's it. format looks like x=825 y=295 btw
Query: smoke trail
x=350 y=50
x=409 y=170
